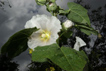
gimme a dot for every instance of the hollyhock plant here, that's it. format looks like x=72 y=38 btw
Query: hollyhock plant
x=47 y=33
x=41 y=36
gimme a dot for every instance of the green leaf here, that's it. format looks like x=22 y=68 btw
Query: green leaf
x=85 y=26
x=40 y=54
x=86 y=29
x=70 y=59
x=17 y=43
x=78 y=13
x=88 y=32
x=66 y=58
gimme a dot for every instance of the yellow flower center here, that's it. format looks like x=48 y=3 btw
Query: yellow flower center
x=45 y=36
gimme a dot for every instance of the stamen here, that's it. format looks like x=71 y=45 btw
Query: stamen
x=45 y=36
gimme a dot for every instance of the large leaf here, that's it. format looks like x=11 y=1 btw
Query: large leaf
x=17 y=43
x=66 y=58
x=40 y=54
x=78 y=13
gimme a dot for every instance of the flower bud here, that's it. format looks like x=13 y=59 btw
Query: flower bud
x=67 y=24
x=52 y=6
x=41 y=2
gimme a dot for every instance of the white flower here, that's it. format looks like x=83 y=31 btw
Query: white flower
x=67 y=24
x=47 y=33
x=79 y=43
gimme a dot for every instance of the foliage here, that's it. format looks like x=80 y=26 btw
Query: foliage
x=78 y=13
x=17 y=43
x=86 y=29
x=66 y=58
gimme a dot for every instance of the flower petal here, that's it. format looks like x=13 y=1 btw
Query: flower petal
x=52 y=39
x=32 y=23
x=79 y=43
x=34 y=41
x=42 y=20
x=29 y=24
x=54 y=24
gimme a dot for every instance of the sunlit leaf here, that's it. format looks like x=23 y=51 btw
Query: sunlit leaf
x=66 y=58
x=78 y=13
x=40 y=54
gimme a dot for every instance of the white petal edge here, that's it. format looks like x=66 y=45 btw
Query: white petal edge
x=79 y=43
x=56 y=23
x=42 y=20
x=32 y=23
